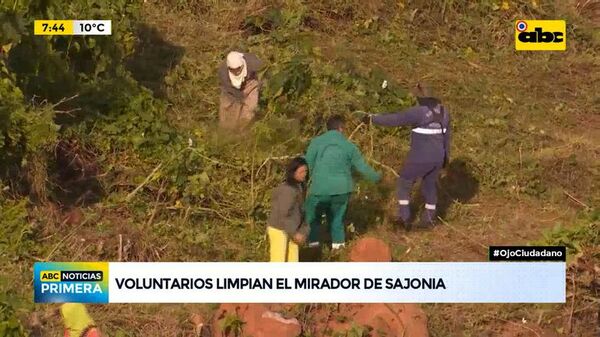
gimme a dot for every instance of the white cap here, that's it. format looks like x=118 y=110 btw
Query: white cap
x=235 y=60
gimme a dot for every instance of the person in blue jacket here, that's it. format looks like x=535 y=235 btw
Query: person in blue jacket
x=429 y=151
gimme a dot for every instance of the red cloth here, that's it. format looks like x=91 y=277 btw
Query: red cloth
x=93 y=332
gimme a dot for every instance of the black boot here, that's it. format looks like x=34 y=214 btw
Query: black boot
x=400 y=222
x=428 y=219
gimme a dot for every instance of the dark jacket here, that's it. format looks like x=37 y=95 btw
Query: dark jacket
x=331 y=158
x=287 y=212
x=430 y=141
x=253 y=64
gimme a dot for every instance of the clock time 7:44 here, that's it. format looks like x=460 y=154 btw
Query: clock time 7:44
x=53 y=27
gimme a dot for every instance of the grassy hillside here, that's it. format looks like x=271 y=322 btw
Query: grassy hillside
x=118 y=179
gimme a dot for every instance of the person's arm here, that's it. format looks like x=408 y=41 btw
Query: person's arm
x=286 y=203
x=411 y=116
x=253 y=63
x=359 y=164
x=310 y=157
x=448 y=138
x=304 y=230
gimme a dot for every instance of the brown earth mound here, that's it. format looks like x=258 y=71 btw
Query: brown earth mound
x=392 y=320
x=258 y=321
x=370 y=250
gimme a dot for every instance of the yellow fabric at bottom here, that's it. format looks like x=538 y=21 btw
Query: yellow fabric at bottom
x=76 y=318
x=283 y=249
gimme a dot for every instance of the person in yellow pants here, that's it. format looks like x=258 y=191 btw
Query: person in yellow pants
x=282 y=248
x=286 y=228
x=77 y=321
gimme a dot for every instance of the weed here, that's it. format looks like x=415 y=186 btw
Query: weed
x=16 y=232
x=232 y=325
x=585 y=233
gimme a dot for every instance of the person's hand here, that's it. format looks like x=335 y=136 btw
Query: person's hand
x=299 y=238
x=366 y=119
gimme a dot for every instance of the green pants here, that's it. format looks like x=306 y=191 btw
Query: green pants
x=334 y=207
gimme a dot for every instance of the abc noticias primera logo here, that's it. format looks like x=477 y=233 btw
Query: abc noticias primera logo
x=540 y=35
x=80 y=282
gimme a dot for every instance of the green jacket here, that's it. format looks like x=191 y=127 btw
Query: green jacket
x=330 y=159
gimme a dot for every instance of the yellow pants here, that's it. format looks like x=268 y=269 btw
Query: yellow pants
x=283 y=249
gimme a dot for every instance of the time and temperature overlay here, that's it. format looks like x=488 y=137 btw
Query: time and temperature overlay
x=72 y=27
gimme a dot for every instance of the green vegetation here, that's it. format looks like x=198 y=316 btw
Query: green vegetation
x=232 y=325
x=357 y=331
x=583 y=234
x=109 y=147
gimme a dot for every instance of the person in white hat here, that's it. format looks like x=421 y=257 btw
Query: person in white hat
x=239 y=89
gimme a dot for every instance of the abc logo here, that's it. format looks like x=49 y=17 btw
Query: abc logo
x=537 y=35
x=50 y=276
x=540 y=35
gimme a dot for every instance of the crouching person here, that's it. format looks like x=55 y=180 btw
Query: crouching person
x=239 y=90
x=286 y=228
x=77 y=321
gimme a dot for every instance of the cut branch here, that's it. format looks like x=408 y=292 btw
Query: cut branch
x=575 y=199
x=275 y=158
x=463 y=234
x=64 y=100
x=216 y=161
x=356 y=129
x=384 y=166
x=146 y=181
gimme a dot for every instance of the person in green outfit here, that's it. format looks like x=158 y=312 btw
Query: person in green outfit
x=331 y=158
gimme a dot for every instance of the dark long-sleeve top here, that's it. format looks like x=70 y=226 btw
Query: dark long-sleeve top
x=430 y=141
x=287 y=212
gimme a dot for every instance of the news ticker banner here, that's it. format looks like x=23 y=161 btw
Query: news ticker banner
x=72 y=27
x=314 y=282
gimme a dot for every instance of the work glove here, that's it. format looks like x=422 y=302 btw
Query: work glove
x=366 y=119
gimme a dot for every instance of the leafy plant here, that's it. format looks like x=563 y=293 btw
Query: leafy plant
x=71 y=74
x=357 y=330
x=585 y=233
x=15 y=231
x=270 y=20
x=10 y=324
x=232 y=324
x=290 y=80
